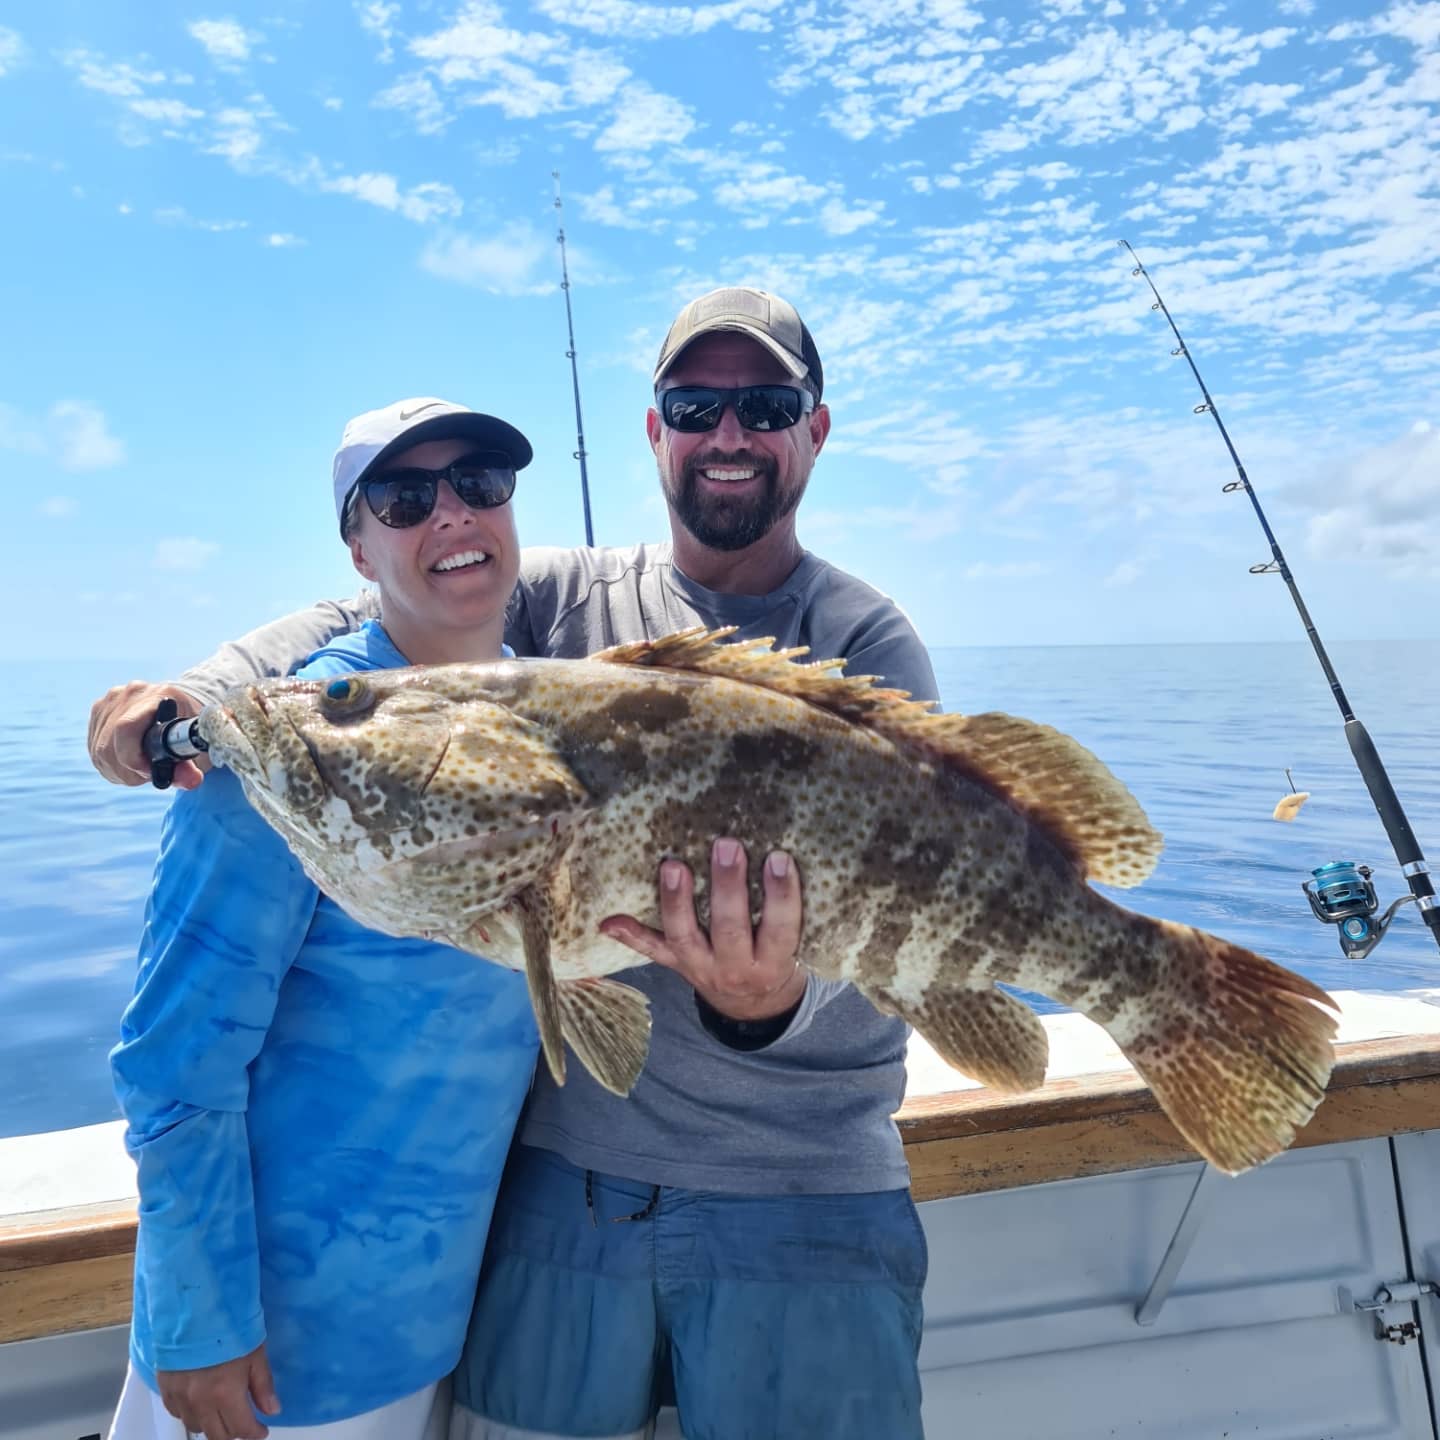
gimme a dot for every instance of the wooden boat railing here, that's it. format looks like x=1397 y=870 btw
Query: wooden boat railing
x=68 y=1270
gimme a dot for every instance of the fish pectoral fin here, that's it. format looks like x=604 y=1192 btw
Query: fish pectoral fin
x=985 y=1034
x=544 y=996
x=608 y=1027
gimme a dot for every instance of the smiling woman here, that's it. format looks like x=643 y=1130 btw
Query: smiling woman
x=350 y=1077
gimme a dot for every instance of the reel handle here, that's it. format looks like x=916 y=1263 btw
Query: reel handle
x=169 y=740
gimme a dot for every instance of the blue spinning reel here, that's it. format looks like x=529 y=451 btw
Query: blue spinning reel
x=1341 y=894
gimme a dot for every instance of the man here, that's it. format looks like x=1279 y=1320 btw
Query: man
x=740 y=1227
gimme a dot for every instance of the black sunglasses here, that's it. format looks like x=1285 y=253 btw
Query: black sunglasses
x=404 y=497
x=697 y=408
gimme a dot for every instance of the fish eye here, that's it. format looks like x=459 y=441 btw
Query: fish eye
x=347 y=695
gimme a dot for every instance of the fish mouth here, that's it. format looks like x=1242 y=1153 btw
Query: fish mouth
x=226 y=739
x=263 y=747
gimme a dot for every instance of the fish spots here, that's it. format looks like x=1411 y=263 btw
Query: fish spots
x=878 y=962
x=648 y=708
x=757 y=750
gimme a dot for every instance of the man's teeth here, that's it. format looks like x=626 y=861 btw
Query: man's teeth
x=465 y=557
x=717 y=474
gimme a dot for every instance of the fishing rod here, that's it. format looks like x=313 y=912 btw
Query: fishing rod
x=1340 y=893
x=579 y=453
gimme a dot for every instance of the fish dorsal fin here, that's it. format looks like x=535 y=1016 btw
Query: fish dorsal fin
x=1055 y=780
x=1059 y=784
x=853 y=697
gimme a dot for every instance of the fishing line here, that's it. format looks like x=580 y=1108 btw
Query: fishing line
x=1341 y=892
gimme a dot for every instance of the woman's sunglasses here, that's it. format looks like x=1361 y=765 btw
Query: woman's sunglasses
x=402 y=498
x=697 y=408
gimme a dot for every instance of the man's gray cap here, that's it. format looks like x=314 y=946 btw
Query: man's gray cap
x=766 y=318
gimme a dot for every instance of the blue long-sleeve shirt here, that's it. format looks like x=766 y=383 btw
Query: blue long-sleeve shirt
x=319 y=1114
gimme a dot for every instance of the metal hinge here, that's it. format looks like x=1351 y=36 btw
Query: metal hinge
x=1398 y=1292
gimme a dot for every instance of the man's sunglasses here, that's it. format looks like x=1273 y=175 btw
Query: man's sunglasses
x=404 y=497
x=697 y=408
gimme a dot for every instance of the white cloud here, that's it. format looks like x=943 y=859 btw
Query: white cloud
x=72 y=434
x=238 y=135
x=280 y=241
x=184 y=552
x=377 y=18
x=57 y=507
x=94 y=72
x=421 y=203
x=226 y=42
x=1381 y=506
x=1127 y=572
x=763 y=186
x=417 y=96
x=164 y=112
x=333 y=102
x=626 y=18
x=12 y=49
x=639 y=207
x=644 y=118
x=503 y=264
x=477 y=46
x=177 y=215
x=836 y=218
x=82 y=437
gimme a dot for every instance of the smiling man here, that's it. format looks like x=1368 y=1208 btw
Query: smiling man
x=738 y=1233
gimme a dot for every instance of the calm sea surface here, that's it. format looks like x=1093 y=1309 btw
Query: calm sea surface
x=1201 y=734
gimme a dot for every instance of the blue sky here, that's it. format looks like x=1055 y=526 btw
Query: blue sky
x=229 y=227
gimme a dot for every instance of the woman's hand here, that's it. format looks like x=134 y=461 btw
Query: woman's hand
x=216 y=1401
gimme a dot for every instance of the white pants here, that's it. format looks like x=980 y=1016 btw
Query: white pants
x=425 y=1415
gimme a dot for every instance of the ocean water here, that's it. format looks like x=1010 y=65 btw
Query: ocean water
x=1201 y=734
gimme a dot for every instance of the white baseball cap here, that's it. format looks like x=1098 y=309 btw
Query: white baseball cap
x=375 y=436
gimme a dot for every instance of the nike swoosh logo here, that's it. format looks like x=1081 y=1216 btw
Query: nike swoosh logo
x=409 y=414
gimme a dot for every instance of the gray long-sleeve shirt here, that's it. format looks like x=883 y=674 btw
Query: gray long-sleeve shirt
x=810 y=1113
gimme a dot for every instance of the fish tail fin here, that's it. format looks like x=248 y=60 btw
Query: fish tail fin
x=1236 y=1048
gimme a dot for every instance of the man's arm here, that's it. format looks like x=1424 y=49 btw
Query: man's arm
x=228 y=914
x=277 y=648
x=120 y=717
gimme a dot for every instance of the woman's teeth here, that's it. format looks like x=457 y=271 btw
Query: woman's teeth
x=465 y=557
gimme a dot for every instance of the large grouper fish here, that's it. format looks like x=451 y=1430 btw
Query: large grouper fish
x=506 y=808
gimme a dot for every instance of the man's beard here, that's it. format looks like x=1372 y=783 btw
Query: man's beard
x=724 y=522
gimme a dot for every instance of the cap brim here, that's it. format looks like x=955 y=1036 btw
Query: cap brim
x=488 y=433
x=792 y=363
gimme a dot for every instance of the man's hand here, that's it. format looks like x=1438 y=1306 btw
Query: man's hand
x=118 y=722
x=215 y=1401
x=743 y=972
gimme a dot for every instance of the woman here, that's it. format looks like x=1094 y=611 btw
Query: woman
x=320 y=1113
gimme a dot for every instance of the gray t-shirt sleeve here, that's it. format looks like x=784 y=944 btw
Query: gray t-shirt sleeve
x=279 y=647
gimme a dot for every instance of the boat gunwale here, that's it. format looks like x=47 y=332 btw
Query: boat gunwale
x=957 y=1124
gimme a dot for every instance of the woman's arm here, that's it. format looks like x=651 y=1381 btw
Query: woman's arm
x=228 y=913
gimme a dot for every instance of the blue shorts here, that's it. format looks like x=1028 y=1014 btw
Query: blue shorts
x=765 y=1317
